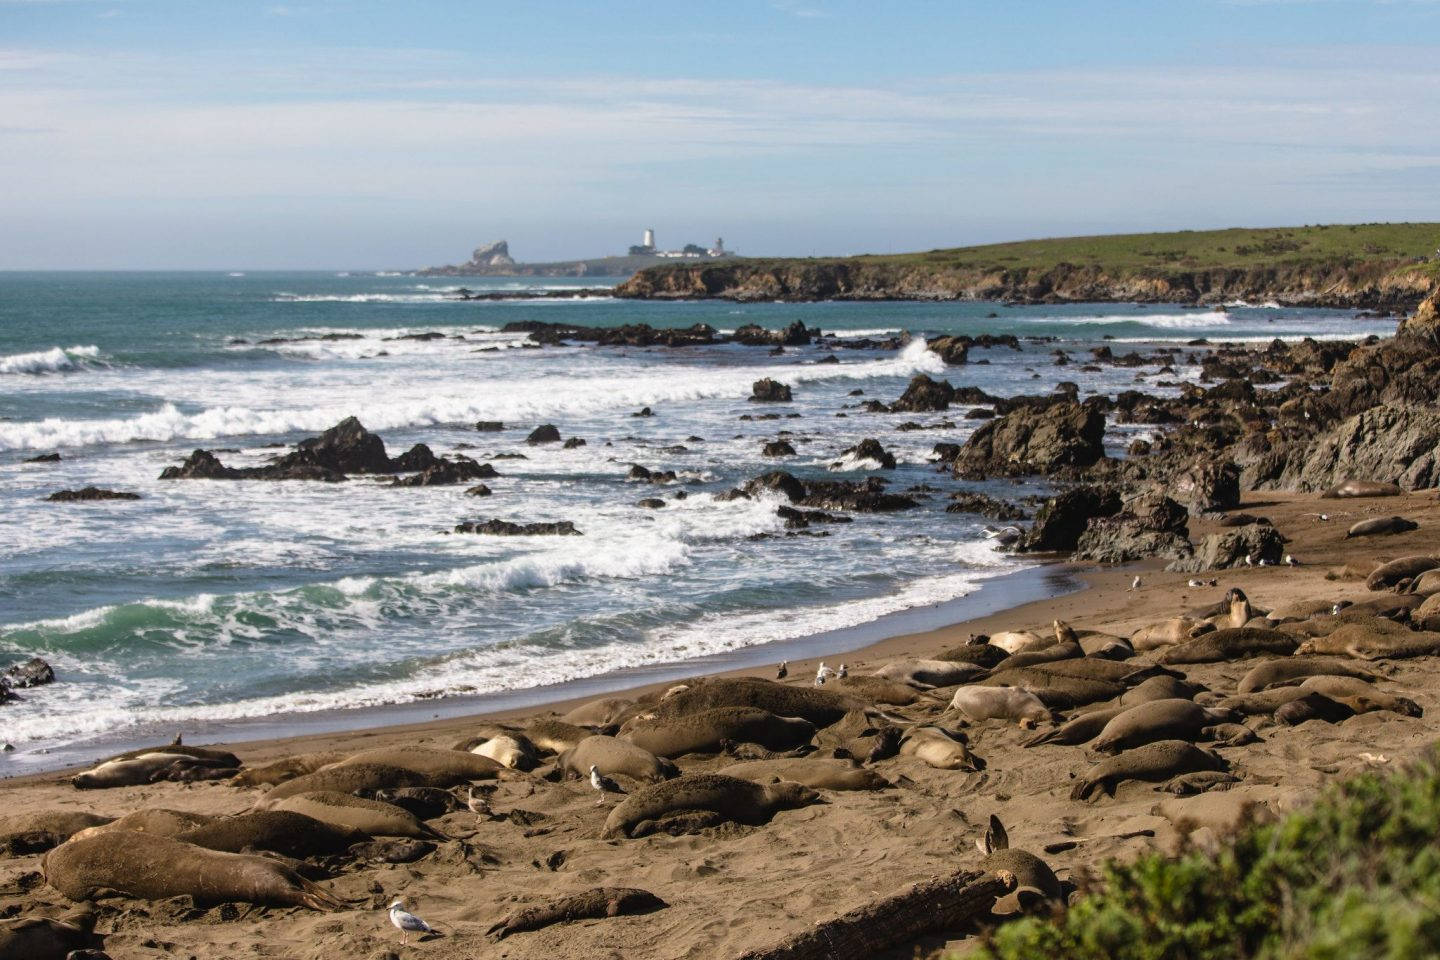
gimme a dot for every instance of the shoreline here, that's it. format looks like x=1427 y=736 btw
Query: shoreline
x=1040 y=582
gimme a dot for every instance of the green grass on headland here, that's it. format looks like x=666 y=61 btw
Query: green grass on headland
x=1355 y=875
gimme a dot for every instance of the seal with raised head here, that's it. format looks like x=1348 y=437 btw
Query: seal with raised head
x=1379 y=526
x=1155 y=762
x=1035 y=883
x=45 y=938
x=1233 y=643
x=280 y=831
x=1351 y=489
x=147 y=867
x=1000 y=703
x=26 y=833
x=1157 y=720
x=615 y=757
x=702 y=731
x=729 y=798
x=345 y=810
x=1286 y=669
x=938 y=748
x=817 y=773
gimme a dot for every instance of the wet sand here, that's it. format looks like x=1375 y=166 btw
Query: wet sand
x=732 y=889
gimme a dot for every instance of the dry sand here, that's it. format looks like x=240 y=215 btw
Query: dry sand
x=738 y=888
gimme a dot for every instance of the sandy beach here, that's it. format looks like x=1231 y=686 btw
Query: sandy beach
x=731 y=889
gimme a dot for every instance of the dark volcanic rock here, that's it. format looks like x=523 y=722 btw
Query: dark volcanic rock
x=753 y=335
x=953 y=350
x=1259 y=543
x=573 y=443
x=447 y=472
x=1207 y=486
x=777 y=448
x=418 y=457
x=479 y=490
x=546 y=433
x=346 y=447
x=769 y=391
x=489 y=426
x=802 y=519
x=1032 y=440
x=985 y=505
x=870 y=449
x=1063 y=518
x=924 y=395
x=32 y=673
x=777 y=480
x=90 y=493
x=637 y=472
x=201 y=465
x=44 y=458
x=863 y=496
x=1149 y=526
x=504 y=528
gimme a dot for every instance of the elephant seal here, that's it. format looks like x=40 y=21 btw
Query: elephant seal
x=26 y=833
x=141 y=768
x=1056 y=689
x=1313 y=706
x=605 y=712
x=880 y=690
x=1077 y=730
x=1017 y=641
x=1361 y=488
x=1389 y=574
x=728 y=797
x=819 y=706
x=1160 y=687
x=980 y=654
x=43 y=938
x=1302 y=609
x=1374 y=642
x=1000 y=703
x=1361 y=696
x=280 y=831
x=1286 y=669
x=344 y=810
x=930 y=673
x=701 y=732
x=348 y=778
x=1056 y=651
x=1098 y=668
x=161 y=822
x=1156 y=720
x=555 y=736
x=613 y=757
x=862 y=736
x=147 y=867
x=1427 y=584
x=1378 y=526
x=1231 y=644
x=1154 y=762
x=1106 y=646
x=938 y=748
x=450 y=766
x=286 y=768
x=1035 y=883
x=511 y=750
x=1263 y=702
x=596 y=903
x=816 y=773
x=1168 y=632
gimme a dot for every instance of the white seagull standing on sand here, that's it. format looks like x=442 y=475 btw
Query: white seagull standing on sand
x=822 y=674
x=407 y=923
x=601 y=782
x=784 y=670
x=842 y=673
x=1135 y=584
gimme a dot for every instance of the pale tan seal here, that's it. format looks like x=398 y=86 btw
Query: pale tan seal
x=1378 y=640
x=1389 y=574
x=147 y=867
x=1154 y=762
x=930 y=673
x=286 y=768
x=1056 y=689
x=938 y=748
x=615 y=757
x=814 y=772
x=141 y=767
x=728 y=798
x=1000 y=703
x=1168 y=632
x=1351 y=489
x=880 y=690
x=1017 y=641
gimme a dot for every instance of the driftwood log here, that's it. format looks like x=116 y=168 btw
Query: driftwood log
x=934 y=905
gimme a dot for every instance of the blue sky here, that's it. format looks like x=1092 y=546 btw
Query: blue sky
x=225 y=133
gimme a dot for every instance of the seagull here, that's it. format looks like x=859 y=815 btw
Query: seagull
x=601 y=782
x=822 y=674
x=478 y=805
x=407 y=923
x=784 y=670
x=1135 y=584
x=1289 y=560
x=842 y=673
x=1248 y=561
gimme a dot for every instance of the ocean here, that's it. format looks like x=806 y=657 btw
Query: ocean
x=208 y=603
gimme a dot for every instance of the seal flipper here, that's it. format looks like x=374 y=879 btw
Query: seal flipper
x=317 y=898
x=995 y=836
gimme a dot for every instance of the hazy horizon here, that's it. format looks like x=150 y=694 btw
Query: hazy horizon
x=160 y=134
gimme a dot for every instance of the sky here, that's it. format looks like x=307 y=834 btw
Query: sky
x=228 y=134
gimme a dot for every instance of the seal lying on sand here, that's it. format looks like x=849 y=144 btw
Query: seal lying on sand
x=595 y=904
x=817 y=773
x=160 y=822
x=605 y=712
x=1054 y=688
x=880 y=690
x=1361 y=488
x=729 y=798
x=281 y=831
x=1168 y=632
x=26 y=833
x=41 y=938
x=1378 y=526
x=1285 y=669
x=1056 y=651
x=930 y=673
x=1375 y=642
x=148 y=867
x=1157 y=720
x=136 y=767
x=555 y=736
x=286 y=768
x=1362 y=697
x=1035 y=882
x=1077 y=730
x=454 y=766
x=1313 y=706
x=1389 y=574
x=1154 y=762
x=1231 y=644
x=344 y=810
x=1160 y=687
x=349 y=778
x=1018 y=641
x=1000 y=703
x=511 y=750
x=1262 y=702
x=614 y=757
x=820 y=707
x=938 y=748
x=674 y=736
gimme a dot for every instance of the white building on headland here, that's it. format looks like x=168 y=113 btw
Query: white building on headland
x=690 y=251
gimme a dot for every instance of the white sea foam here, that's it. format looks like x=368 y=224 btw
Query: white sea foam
x=54 y=360
x=1164 y=321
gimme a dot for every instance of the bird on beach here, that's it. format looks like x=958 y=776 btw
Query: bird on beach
x=842 y=673
x=1135 y=584
x=1289 y=560
x=407 y=923
x=601 y=782
x=822 y=674
x=784 y=670
x=478 y=805
x=1197 y=582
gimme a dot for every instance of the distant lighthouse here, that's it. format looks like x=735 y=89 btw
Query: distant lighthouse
x=649 y=240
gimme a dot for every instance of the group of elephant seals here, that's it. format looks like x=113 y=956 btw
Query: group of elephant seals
x=147 y=867
x=1381 y=525
x=146 y=765
x=44 y=938
x=1361 y=488
x=1389 y=574
x=730 y=798
x=615 y=757
x=1154 y=762
x=702 y=731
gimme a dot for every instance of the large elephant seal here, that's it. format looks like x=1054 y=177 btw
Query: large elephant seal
x=814 y=772
x=451 y=766
x=1314 y=706
x=880 y=690
x=605 y=712
x=819 y=706
x=1231 y=644
x=511 y=750
x=1163 y=686
x=286 y=768
x=930 y=673
x=1157 y=720
x=1154 y=762
x=44 y=938
x=615 y=757
x=350 y=777
x=1373 y=641
x=701 y=732
x=160 y=821
x=980 y=654
x=1361 y=488
x=1035 y=883
x=1000 y=703
x=1077 y=730
x=1166 y=633
x=1389 y=574
x=1263 y=702
x=1286 y=669
x=1378 y=526
x=1055 y=689
x=148 y=867
x=1018 y=641
x=729 y=798
x=375 y=817
x=137 y=767
x=938 y=748
x=1056 y=651
x=280 y=831
x=555 y=736
x=26 y=833
x=1360 y=696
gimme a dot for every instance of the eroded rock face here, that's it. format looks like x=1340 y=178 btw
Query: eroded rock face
x=769 y=391
x=1390 y=443
x=924 y=395
x=1207 y=486
x=1063 y=518
x=1033 y=440
x=505 y=528
x=1257 y=543
x=1150 y=526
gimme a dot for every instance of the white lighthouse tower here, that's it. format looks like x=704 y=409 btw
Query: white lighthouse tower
x=649 y=240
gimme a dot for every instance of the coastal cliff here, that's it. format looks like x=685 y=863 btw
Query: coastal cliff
x=1390 y=267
